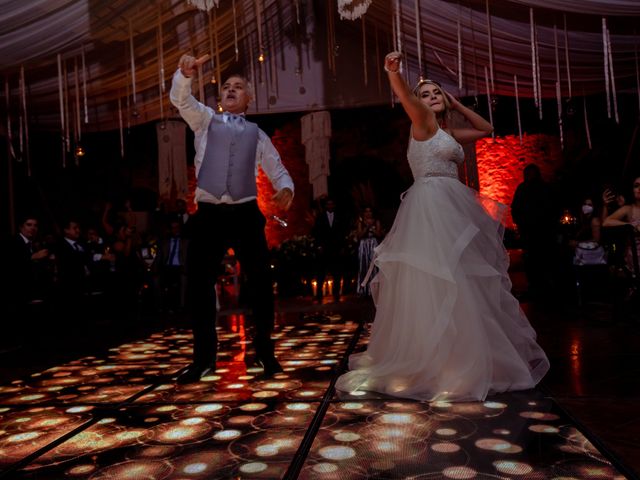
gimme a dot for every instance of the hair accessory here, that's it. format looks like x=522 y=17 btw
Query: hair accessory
x=422 y=81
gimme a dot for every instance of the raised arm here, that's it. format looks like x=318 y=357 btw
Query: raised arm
x=193 y=112
x=423 y=119
x=619 y=217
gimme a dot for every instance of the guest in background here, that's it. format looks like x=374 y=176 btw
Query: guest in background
x=536 y=217
x=369 y=233
x=28 y=275
x=330 y=231
x=229 y=149
x=100 y=260
x=612 y=200
x=172 y=266
x=72 y=260
x=588 y=225
x=629 y=215
x=181 y=211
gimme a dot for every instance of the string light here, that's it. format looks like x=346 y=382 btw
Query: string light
x=261 y=57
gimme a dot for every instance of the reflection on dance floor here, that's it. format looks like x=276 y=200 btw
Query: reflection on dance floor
x=123 y=417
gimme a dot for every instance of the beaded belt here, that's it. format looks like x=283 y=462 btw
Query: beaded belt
x=440 y=174
x=428 y=175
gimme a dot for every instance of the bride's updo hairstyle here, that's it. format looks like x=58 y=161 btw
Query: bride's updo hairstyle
x=422 y=81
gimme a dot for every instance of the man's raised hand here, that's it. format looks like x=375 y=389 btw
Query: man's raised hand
x=188 y=64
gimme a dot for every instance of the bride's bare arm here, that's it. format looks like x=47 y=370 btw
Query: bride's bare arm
x=481 y=127
x=423 y=119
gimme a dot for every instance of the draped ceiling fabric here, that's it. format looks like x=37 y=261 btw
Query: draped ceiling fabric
x=313 y=59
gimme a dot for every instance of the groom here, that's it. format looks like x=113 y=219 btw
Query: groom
x=229 y=149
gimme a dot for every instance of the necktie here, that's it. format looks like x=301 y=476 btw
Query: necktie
x=77 y=247
x=173 y=251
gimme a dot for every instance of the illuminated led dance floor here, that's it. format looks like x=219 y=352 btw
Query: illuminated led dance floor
x=122 y=417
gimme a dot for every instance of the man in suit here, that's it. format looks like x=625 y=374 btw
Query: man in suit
x=26 y=267
x=72 y=260
x=329 y=231
x=172 y=267
x=229 y=149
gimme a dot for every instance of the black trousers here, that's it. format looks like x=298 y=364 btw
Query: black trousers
x=215 y=229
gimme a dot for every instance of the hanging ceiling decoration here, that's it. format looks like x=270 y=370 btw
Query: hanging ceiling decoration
x=205 y=5
x=110 y=63
x=353 y=9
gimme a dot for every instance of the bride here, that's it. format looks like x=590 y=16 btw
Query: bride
x=446 y=325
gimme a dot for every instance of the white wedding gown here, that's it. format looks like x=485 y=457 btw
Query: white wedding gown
x=447 y=326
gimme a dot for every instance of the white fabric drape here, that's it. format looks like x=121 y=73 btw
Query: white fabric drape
x=316 y=133
x=172 y=161
x=34 y=32
x=593 y=7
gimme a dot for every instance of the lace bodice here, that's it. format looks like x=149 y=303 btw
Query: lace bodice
x=438 y=156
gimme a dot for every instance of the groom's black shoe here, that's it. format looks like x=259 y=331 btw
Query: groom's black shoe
x=270 y=365
x=194 y=373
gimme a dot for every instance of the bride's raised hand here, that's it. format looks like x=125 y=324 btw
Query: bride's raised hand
x=453 y=101
x=392 y=62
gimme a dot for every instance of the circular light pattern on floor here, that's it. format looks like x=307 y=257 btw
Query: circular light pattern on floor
x=543 y=429
x=325 y=468
x=346 y=437
x=193 y=421
x=337 y=452
x=210 y=407
x=134 y=470
x=252 y=407
x=225 y=435
x=240 y=420
x=195 y=468
x=178 y=432
x=397 y=418
x=253 y=467
x=445 y=447
x=309 y=393
x=235 y=386
x=539 y=416
x=459 y=472
x=512 y=468
x=265 y=394
x=273 y=448
x=129 y=435
x=166 y=408
x=497 y=445
x=23 y=437
x=80 y=470
x=358 y=393
x=496 y=405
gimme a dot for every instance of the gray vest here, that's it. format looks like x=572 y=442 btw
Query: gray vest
x=229 y=161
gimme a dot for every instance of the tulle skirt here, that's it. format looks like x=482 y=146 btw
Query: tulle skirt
x=447 y=326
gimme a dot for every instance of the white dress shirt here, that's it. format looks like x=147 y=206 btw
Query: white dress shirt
x=198 y=116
